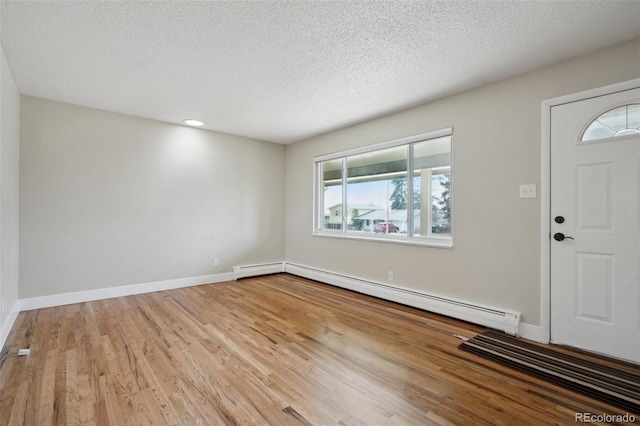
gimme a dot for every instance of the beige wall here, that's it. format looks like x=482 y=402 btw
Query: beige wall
x=496 y=147
x=109 y=200
x=9 y=160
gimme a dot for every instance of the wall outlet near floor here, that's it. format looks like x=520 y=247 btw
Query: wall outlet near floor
x=390 y=275
x=528 y=191
x=216 y=261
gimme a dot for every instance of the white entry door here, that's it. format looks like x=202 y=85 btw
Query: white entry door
x=595 y=183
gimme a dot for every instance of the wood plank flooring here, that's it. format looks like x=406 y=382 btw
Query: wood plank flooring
x=276 y=350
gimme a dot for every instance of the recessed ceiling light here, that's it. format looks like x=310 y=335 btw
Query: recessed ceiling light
x=191 y=122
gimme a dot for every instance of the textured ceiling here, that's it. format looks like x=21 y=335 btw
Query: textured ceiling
x=284 y=71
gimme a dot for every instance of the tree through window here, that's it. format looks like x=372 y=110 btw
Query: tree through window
x=398 y=190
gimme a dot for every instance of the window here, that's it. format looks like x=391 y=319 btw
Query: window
x=394 y=191
x=621 y=121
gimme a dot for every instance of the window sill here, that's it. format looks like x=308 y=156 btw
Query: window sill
x=393 y=239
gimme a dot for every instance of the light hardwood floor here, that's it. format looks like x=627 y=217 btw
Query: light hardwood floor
x=277 y=350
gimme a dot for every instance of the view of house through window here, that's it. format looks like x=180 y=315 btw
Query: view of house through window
x=399 y=191
x=370 y=180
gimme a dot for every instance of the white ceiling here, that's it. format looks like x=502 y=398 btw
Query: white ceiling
x=285 y=71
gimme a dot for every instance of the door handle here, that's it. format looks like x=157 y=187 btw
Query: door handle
x=559 y=236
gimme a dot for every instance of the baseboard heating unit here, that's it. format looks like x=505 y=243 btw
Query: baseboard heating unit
x=258 y=269
x=499 y=319
x=496 y=318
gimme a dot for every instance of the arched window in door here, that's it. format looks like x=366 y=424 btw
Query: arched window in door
x=620 y=121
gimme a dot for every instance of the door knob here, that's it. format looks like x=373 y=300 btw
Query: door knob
x=559 y=236
x=559 y=219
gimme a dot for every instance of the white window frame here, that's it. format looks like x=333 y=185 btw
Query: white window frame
x=318 y=208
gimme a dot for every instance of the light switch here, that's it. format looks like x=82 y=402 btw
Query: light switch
x=528 y=191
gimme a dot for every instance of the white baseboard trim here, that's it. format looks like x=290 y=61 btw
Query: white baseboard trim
x=500 y=319
x=497 y=318
x=259 y=269
x=8 y=324
x=532 y=332
x=126 y=290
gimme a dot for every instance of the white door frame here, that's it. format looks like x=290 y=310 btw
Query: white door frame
x=545 y=195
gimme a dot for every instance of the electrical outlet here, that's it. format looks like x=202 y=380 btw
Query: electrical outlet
x=390 y=275
x=528 y=191
x=216 y=261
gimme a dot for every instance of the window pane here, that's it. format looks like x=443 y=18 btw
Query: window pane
x=377 y=191
x=597 y=130
x=621 y=121
x=616 y=119
x=634 y=116
x=441 y=203
x=365 y=193
x=331 y=172
x=432 y=188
